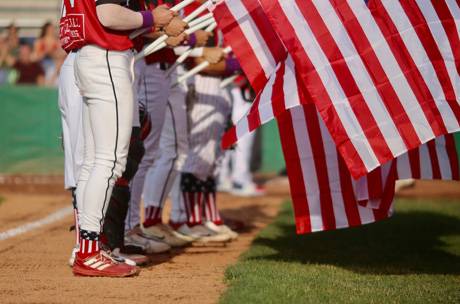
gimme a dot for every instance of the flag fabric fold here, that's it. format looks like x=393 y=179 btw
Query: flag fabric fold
x=363 y=95
x=383 y=77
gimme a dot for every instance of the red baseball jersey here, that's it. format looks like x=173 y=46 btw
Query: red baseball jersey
x=80 y=26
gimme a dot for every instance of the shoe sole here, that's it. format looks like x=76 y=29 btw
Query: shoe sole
x=205 y=240
x=91 y=273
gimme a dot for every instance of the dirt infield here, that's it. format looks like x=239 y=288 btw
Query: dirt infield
x=34 y=265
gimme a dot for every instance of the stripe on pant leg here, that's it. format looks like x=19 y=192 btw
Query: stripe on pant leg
x=116 y=138
x=162 y=197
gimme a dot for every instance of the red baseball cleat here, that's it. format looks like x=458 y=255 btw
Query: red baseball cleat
x=102 y=264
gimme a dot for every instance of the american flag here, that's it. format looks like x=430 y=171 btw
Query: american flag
x=332 y=185
x=384 y=77
x=326 y=197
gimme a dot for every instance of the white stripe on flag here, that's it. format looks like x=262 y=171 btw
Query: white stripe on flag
x=443 y=158
x=425 y=162
x=333 y=174
x=308 y=167
x=290 y=84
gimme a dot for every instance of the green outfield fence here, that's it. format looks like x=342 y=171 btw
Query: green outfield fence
x=30 y=134
x=30 y=131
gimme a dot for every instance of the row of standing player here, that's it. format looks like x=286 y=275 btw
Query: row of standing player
x=131 y=136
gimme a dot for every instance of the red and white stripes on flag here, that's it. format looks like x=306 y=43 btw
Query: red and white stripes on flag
x=324 y=194
x=247 y=30
x=384 y=78
x=364 y=97
x=269 y=103
x=437 y=159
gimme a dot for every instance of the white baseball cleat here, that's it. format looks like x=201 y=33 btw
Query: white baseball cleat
x=130 y=259
x=204 y=235
x=224 y=185
x=169 y=236
x=222 y=229
x=184 y=229
x=147 y=243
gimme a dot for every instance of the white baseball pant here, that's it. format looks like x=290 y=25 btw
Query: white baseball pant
x=172 y=151
x=153 y=89
x=241 y=156
x=207 y=121
x=71 y=106
x=105 y=82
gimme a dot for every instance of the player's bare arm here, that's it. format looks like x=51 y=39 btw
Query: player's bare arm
x=116 y=17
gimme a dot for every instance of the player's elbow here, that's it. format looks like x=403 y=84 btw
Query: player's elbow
x=106 y=16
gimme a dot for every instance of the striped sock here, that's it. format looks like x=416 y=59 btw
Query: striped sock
x=211 y=212
x=193 y=207
x=193 y=198
x=152 y=216
x=89 y=244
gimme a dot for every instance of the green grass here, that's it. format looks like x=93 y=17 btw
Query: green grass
x=412 y=258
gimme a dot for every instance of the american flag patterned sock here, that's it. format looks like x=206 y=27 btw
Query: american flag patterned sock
x=89 y=243
x=211 y=212
x=152 y=216
x=193 y=207
x=193 y=198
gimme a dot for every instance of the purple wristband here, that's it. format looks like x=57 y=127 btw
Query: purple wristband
x=147 y=19
x=232 y=65
x=191 y=40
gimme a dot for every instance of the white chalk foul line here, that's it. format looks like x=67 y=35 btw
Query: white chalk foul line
x=53 y=217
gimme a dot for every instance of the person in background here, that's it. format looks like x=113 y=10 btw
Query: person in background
x=29 y=71
x=9 y=49
x=48 y=52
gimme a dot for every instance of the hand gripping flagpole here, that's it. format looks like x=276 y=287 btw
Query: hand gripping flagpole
x=175 y=9
x=153 y=46
x=187 y=53
x=187 y=32
x=199 y=67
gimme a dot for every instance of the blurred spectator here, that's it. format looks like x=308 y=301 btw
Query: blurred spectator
x=48 y=52
x=30 y=72
x=9 y=50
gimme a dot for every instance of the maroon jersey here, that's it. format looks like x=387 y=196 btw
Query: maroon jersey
x=80 y=26
x=166 y=54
